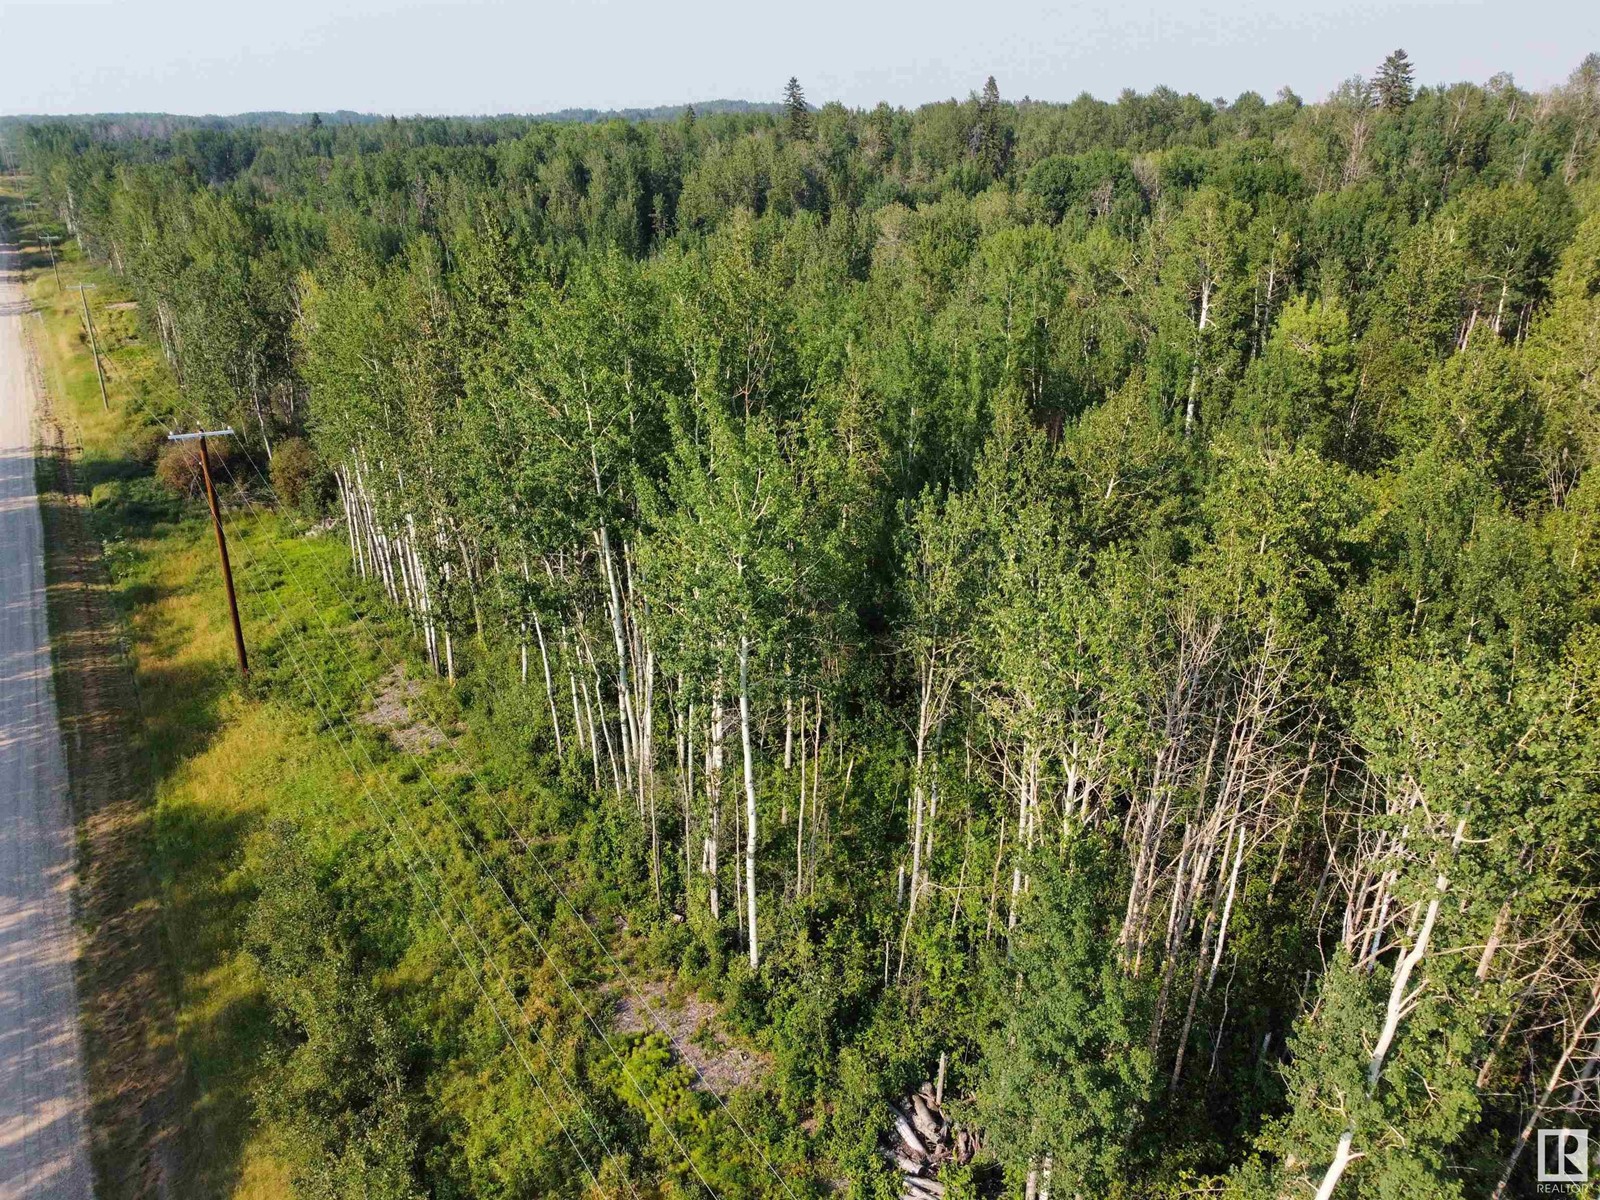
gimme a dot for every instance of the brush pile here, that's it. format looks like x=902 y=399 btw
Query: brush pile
x=922 y=1140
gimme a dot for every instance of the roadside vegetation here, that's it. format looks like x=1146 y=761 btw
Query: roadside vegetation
x=1088 y=607
x=255 y=804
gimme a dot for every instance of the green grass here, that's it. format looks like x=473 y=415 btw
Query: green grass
x=222 y=757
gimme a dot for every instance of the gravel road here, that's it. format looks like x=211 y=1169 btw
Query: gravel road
x=43 y=1127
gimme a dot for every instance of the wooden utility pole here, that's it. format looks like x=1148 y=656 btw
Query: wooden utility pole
x=50 y=241
x=222 y=542
x=94 y=345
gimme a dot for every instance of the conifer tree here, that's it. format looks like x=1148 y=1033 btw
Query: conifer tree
x=1394 y=82
x=1119 y=638
x=990 y=141
x=794 y=105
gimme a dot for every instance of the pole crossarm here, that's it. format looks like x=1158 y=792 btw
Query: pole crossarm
x=200 y=433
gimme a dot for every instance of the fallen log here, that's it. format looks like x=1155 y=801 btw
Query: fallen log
x=908 y=1135
x=927 y=1123
x=904 y=1162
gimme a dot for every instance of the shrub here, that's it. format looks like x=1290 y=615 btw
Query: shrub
x=146 y=447
x=298 y=476
x=178 y=467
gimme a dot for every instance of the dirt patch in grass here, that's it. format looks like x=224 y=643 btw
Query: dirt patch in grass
x=691 y=1025
x=394 y=711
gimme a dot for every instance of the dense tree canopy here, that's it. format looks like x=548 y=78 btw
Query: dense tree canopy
x=1099 y=595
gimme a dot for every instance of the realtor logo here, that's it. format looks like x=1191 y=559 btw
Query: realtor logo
x=1563 y=1156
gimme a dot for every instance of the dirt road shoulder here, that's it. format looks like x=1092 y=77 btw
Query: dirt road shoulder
x=127 y=1009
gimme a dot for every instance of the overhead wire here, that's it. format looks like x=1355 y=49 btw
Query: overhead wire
x=638 y=993
x=561 y=891
x=170 y=420
x=463 y=919
x=472 y=845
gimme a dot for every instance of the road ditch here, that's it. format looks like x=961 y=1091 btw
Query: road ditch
x=126 y=1001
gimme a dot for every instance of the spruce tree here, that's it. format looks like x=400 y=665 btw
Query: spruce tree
x=1394 y=82
x=991 y=96
x=990 y=140
x=794 y=104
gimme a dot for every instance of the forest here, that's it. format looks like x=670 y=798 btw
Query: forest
x=1093 y=606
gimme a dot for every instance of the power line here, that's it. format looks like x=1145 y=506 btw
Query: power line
x=462 y=918
x=432 y=868
x=485 y=867
x=566 y=899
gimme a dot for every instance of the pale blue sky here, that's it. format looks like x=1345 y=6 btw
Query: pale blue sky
x=480 y=56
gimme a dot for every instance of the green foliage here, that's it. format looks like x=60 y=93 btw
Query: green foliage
x=298 y=478
x=1094 y=184
x=1067 y=1069
x=796 y=112
x=337 y=1089
x=1155 y=542
x=1302 y=390
x=1394 y=82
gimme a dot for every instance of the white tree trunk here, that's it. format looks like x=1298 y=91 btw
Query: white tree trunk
x=1396 y=1008
x=714 y=758
x=549 y=686
x=1579 y=1032
x=800 y=826
x=1341 y=1160
x=688 y=792
x=1227 y=911
x=577 y=720
x=749 y=796
x=1394 y=1012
